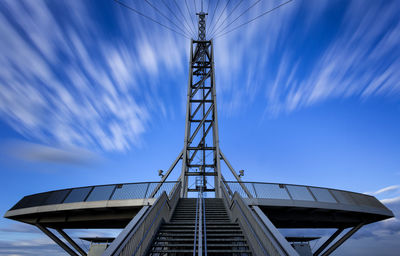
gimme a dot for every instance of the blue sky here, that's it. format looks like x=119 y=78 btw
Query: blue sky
x=91 y=93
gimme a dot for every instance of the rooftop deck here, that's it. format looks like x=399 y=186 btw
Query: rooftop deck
x=286 y=205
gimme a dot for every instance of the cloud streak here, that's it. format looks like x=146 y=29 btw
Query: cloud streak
x=386 y=190
x=64 y=83
x=41 y=153
x=294 y=64
x=71 y=80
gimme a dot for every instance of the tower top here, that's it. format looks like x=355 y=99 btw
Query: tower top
x=202 y=25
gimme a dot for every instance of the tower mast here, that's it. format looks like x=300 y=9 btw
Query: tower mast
x=201 y=145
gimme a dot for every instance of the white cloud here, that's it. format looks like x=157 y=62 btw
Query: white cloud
x=386 y=189
x=360 y=59
x=64 y=83
x=391 y=200
x=41 y=153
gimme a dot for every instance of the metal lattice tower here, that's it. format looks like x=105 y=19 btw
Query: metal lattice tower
x=201 y=146
x=157 y=219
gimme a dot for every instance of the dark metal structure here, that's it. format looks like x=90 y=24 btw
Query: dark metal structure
x=201 y=131
x=158 y=218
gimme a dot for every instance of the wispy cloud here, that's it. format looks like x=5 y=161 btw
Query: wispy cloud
x=34 y=247
x=390 y=201
x=65 y=83
x=385 y=190
x=20 y=228
x=295 y=64
x=72 y=80
x=41 y=153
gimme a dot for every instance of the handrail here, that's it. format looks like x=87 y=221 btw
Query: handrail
x=205 y=226
x=123 y=191
x=261 y=238
x=303 y=193
x=252 y=229
x=148 y=229
x=137 y=236
x=141 y=190
x=195 y=226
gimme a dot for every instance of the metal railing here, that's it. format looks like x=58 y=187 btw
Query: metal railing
x=196 y=223
x=205 y=225
x=138 y=238
x=262 y=239
x=95 y=193
x=305 y=193
x=200 y=227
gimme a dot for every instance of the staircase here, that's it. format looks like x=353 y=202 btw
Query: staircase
x=177 y=236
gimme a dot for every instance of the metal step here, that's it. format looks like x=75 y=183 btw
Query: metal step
x=223 y=237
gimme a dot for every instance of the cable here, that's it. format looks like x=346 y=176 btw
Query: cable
x=187 y=8
x=176 y=17
x=157 y=10
x=227 y=17
x=259 y=16
x=153 y=20
x=184 y=17
x=212 y=17
x=195 y=7
x=219 y=16
x=240 y=15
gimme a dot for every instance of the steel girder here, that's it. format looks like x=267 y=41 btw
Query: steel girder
x=201 y=146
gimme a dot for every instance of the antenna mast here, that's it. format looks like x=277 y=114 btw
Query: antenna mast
x=201 y=146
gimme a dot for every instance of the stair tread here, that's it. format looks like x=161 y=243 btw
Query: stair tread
x=223 y=236
x=209 y=251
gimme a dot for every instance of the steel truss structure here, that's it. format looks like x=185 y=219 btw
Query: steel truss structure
x=141 y=210
x=201 y=154
x=201 y=148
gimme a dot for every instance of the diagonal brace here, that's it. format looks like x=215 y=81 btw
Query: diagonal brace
x=235 y=174
x=71 y=242
x=57 y=240
x=180 y=156
x=328 y=241
x=203 y=138
x=201 y=124
x=342 y=239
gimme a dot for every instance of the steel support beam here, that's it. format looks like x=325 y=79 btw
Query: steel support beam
x=276 y=238
x=57 y=240
x=217 y=179
x=201 y=118
x=342 y=240
x=200 y=146
x=236 y=176
x=201 y=174
x=167 y=174
x=328 y=241
x=183 y=177
x=71 y=242
x=200 y=124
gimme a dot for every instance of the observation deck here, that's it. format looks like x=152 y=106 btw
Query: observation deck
x=113 y=206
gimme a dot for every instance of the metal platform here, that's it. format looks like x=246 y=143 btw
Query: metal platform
x=104 y=206
x=287 y=206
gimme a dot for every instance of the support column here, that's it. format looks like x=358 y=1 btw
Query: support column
x=72 y=242
x=57 y=240
x=327 y=242
x=342 y=240
x=236 y=176
x=201 y=147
